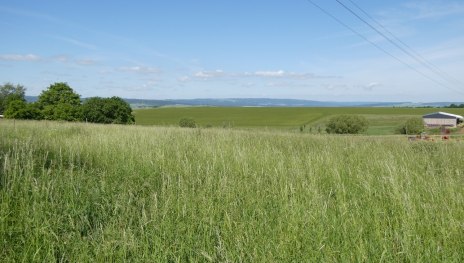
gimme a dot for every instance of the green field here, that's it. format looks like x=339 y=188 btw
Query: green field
x=72 y=192
x=383 y=121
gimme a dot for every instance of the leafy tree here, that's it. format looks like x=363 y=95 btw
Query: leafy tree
x=62 y=111
x=187 y=123
x=107 y=110
x=452 y=105
x=60 y=102
x=412 y=126
x=19 y=109
x=9 y=93
x=347 y=124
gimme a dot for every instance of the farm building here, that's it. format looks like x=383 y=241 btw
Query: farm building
x=442 y=119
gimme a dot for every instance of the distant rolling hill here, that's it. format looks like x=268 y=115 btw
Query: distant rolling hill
x=254 y=102
x=266 y=102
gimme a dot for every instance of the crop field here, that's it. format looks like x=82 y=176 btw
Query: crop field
x=73 y=192
x=383 y=121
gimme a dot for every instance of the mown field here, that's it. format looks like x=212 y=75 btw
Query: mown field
x=383 y=121
x=73 y=192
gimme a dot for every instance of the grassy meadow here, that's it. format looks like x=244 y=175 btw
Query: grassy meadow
x=72 y=192
x=383 y=121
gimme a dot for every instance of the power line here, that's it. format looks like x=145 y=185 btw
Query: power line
x=379 y=47
x=416 y=54
x=415 y=57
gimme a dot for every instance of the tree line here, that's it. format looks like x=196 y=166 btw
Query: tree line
x=454 y=106
x=60 y=102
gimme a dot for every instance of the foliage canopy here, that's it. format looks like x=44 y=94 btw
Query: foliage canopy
x=19 y=109
x=412 y=126
x=347 y=124
x=187 y=123
x=107 y=110
x=9 y=93
x=60 y=102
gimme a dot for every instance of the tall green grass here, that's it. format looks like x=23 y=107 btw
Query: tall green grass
x=85 y=193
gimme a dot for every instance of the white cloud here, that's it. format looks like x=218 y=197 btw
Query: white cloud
x=371 y=86
x=61 y=58
x=279 y=73
x=210 y=74
x=288 y=75
x=140 y=70
x=58 y=58
x=183 y=79
x=19 y=57
x=220 y=74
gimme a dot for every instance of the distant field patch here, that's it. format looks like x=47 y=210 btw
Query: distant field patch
x=382 y=120
x=230 y=117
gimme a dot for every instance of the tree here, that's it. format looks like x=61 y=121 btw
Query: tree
x=107 y=110
x=9 y=93
x=60 y=102
x=347 y=124
x=412 y=126
x=62 y=111
x=19 y=109
x=187 y=123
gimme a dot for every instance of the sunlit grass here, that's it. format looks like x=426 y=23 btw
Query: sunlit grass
x=81 y=192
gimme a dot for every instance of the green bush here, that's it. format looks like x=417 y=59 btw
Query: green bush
x=19 y=109
x=187 y=123
x=412 y=126
x=347 y=124
x=107 y=110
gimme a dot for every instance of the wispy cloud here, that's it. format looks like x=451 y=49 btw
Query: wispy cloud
x=210 y=74
x=58 y=58
x=288 y=75
x=140 y=70
x=450 y=49
x=28 y=13
x=61 y=58
x=76 y=42
x=19 y=57
x=371 y=86
x=435 y=9
x=272 y=74
x=86 y=61
x=221 y=74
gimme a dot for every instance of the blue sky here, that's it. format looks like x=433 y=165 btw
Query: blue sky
x=231 y=49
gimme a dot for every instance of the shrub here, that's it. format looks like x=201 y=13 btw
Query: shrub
x=107 y=110
x=19 y=109
x=187 y=123
x=412 y=126
x=347 y=124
